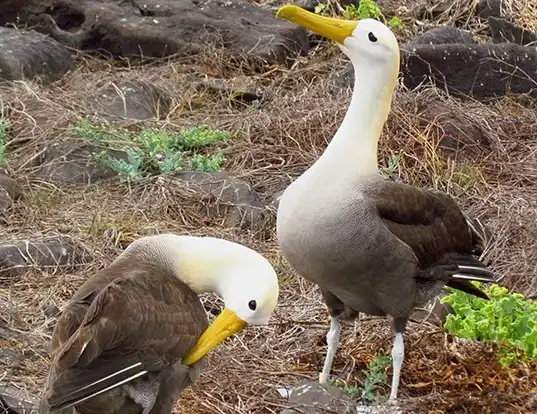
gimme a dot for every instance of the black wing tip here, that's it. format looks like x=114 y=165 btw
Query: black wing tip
x=480 y=294
x=463 y=282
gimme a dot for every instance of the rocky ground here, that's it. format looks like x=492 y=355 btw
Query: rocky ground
x=280 y=94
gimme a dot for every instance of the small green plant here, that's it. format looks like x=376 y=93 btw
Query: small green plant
x=98 y=133
x=396 y=23
x=320 y=8
x=201 y=136
x=392 y=169
x=373 y=378
x=506 y=319
x=202 y=163
x=363 y=9
x=366 y=9
x=154 y=151
x=127 y=170
x=5 y=124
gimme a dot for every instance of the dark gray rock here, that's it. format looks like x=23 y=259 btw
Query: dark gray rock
x=505 y=31
x=236 y=92
x=459 y=135
x=136 y=99
x=17 y=257
x=17 y=401
x=433 y=312
x=442 y=35
x=10 y=190
x=439 y=35
x=160 y=28
x=16 y=11
x=482 y=71
x=74 y=163
x=308 y=5
x=484 y=9
x=28 y=343
x=313 y=398
x=31 y=55
x=488 y=8
x=217 y=195
x=344 y=78
x=11 y=358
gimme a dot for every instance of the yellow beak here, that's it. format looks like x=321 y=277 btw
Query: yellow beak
x=225 y=325
x=334 y=29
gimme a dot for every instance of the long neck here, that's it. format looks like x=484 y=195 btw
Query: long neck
x=187 y=258
x=353 y=150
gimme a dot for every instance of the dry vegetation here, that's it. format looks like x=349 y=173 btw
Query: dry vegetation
x=276 y=142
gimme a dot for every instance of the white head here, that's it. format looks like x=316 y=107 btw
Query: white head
x=366 y=42
x=244 y=279
x=374 y=53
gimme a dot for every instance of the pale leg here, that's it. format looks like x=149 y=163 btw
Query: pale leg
x=398 y=354
x=332 y=340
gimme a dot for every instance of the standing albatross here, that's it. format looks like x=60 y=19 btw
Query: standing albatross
x=135 y=334
x=372 y=245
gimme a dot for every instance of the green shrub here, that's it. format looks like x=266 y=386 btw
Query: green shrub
x=506 y=319
x=154 y=151
x=364 y=9
x=5 y=124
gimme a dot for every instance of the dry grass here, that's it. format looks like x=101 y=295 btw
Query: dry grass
x=525 y=12
x=277 y=141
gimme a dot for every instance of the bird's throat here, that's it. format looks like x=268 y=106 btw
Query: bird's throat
x=353 y=150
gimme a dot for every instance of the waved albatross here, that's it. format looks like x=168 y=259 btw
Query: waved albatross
x=134 y=335
x=372 y=245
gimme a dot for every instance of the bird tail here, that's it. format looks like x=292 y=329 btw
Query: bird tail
x=83 y=372
x=470 y=269
x=77 y=385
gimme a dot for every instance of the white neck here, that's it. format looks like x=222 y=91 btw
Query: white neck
x=200 y=262
x=353 y=150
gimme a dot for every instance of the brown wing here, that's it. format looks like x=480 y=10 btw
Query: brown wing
x=430 y=222
x=138 y=323
x=75 y=311
x=433 y=225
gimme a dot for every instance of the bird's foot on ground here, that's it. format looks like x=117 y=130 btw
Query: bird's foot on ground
x=323 y=378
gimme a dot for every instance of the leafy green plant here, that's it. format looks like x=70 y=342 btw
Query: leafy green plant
x=5 y=124
x=363 y=9
x=98 y=133
x=127 y=170
x=201 y=136
x=506 y=319
x=154 y=151
x=366 y=9
x=210 y=164
x=395 y=23
x=320 y=8
x=373 y=378
x=392 y=168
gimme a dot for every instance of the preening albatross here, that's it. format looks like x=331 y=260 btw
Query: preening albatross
x=135 y=334
x=372 y=245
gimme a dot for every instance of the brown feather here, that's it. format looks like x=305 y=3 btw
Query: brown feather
x=432 y=224
x=126 y=313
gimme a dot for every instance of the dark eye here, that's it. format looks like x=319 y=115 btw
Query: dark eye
x=372 y=37
x=252 y=305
